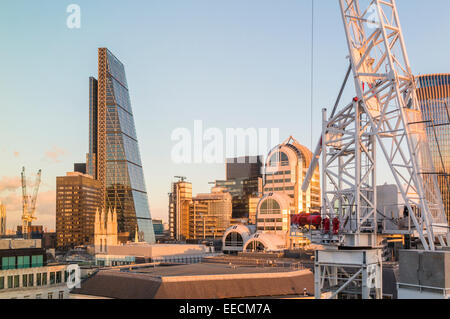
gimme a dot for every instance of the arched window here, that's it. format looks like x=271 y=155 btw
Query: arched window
x=279 y=159
x=270 y=206
x=255 y=245
x=234 y=239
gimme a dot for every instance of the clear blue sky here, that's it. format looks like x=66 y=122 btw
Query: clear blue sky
x=230 y=63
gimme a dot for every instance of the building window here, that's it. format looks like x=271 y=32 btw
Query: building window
x=8 y=263
x=25 y=280
x=37 y=261
x=44 y=279
x=279 y=159
x=10 y=282
x=16 y=281
x=52 y=278
x=31 y=280
x=50 y=295
x=270 y=206
x=38 y=279
x=2 y=283
x=58 y=277
x=61 y=295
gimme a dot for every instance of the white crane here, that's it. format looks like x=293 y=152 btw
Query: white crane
x=385 y=115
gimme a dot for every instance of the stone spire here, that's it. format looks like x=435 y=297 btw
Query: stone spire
x=136 y=235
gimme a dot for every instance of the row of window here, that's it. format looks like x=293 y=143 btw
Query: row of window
x=31 y=280
x=270 y=220
x=279 y=173
x=49 y=296
x=276 y=181
x=279 y=189
x=22 y=262
x=270 y=228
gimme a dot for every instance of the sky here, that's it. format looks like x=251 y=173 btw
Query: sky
x=229 y=63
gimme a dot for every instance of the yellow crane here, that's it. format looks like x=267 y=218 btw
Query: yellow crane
x=29 y=203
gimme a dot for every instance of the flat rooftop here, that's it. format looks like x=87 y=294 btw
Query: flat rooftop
x=196 y=281
x=202 y=269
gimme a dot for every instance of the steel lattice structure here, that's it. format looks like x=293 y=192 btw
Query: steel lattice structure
x=386 y=114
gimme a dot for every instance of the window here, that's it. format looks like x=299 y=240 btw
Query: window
x=44 y=279
x=24 y=280
x=61 y=295
x=2 y=283
x=38 y=279
x=50 y=295
x=270 y=206
x=8 y=263
x=16 y=281
x=10 y=281
x=37 y=261
x=31 y=280
x=26 y=261
x=52 y=278
x=279 y=159
x=20 y=264
x=58 y=277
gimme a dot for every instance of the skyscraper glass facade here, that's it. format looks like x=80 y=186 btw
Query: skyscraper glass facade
x=433 y=92
x=114 y=158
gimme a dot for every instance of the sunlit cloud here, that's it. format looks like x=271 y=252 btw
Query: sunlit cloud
x=55 y=154
x=10 y=184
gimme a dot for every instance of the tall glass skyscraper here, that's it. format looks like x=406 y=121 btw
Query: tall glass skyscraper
x=433 y=92
x=114 y=157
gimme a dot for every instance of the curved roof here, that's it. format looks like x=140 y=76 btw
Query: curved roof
x=281 y=198
x=243 y=230
x=271 y=242
x=292 y=143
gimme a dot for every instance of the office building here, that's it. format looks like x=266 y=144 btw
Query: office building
x=210 y=214
x=433 y=92
x=285 y=169
x=244 y=183
x=2 y=219
x=114 y=158
x=243 y=167
x=80 y=168
x=77 y=199
x=179 y=201
x=25 y=273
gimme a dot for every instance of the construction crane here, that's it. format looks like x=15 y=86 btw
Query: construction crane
x=29 y=203
x=384 y=115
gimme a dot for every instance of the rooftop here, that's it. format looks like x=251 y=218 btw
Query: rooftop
x=196 y=281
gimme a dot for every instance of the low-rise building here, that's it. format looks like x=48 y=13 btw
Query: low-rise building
x=25 y=273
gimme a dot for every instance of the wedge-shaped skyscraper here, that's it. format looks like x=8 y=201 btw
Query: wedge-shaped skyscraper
x=114 y=157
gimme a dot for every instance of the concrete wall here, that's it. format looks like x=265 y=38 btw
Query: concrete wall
x=19 y=243
x=152 y=251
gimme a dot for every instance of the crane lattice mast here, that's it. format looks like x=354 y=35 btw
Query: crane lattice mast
x=384 y=116
x=29 y=203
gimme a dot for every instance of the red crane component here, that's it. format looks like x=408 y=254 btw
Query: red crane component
x=303 y=220
x=326 y=225
x=336 y=225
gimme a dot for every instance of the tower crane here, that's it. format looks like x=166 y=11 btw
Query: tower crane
x=383 y=116
x=29 y=203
